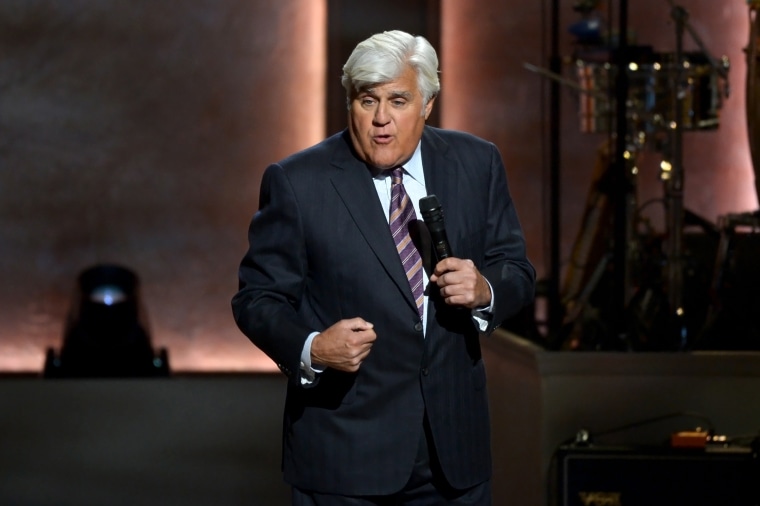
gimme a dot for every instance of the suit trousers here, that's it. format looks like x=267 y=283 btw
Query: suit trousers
x=426 y=487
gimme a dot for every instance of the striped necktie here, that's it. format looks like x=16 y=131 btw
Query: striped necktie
x=401 y=215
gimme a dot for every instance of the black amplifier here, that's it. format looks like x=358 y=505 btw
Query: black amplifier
x=644 y=476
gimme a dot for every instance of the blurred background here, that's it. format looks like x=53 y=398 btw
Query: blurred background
x=135 y=133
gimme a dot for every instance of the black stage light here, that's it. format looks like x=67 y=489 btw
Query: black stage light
x=105 y=333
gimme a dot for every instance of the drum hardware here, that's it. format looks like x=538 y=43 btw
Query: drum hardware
x=674 y=184
x=594 y=98
x=728 y=225
x=650 y=94
x=731 y=321
x=585 y=290
x=657 y=311
x=695 y=85
x=564 y=81
x=666 y=94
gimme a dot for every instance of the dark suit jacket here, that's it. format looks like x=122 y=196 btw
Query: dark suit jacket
x=321 y=251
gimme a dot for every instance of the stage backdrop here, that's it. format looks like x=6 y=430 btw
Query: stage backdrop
x=135 y=132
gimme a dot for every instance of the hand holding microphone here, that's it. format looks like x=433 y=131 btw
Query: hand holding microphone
x=459 y=281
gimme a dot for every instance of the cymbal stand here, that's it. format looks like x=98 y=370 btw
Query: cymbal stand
x=674 y=177
x=622 y=190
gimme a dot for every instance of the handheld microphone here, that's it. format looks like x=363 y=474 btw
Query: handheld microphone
x=432 y=214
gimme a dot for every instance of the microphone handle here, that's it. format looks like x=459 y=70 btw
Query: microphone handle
x=440 y=241
x=442 y=250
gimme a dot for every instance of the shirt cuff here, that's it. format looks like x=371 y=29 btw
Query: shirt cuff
x=308 y=372
x=482 y=316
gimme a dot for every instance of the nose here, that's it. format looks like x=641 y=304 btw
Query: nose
x=382 y=116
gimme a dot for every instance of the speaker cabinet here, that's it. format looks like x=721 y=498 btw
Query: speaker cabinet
x=628 y=476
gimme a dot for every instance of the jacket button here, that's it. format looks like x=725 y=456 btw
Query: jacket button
x=418 y=326
x=425 y=371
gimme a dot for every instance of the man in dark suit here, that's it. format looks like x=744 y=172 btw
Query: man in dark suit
x=386 y=401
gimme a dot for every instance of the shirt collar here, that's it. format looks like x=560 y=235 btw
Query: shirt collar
x=414 y=166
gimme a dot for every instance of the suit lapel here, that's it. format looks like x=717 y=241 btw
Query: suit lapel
x=353 y=182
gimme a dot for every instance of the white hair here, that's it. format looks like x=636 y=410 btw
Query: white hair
x=383 y=58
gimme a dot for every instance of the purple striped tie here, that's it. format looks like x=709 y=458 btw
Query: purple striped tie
x=401 y=214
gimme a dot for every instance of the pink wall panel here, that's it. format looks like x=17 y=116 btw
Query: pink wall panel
x=136 y=134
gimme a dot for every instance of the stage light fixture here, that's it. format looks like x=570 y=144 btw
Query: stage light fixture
x=106 y=334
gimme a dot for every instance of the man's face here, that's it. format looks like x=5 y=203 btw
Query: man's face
x=386 y=121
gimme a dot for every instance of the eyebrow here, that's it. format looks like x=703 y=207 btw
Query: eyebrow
x=401 y=94
x=393 y=94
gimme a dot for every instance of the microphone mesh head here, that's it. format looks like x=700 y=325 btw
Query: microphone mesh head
x=429 y=204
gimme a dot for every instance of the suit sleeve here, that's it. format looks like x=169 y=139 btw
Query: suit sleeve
x=271 y=275
x=506 y=265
